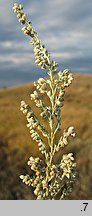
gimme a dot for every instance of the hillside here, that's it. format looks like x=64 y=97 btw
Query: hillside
x=16 y=145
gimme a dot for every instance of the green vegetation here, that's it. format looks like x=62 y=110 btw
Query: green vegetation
x=16 y=146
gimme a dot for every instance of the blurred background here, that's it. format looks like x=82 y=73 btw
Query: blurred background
x=65 y=27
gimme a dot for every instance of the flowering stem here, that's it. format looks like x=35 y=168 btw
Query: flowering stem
x=48 y=179
x=52 y=116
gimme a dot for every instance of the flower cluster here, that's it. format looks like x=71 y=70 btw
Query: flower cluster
x=66 y=134
x=32 y=121
x=41 y=85
x=20 y=15
x=47 y=187
x=33 y=124
x=63 y=141
x=39 y=179
x=49 y=180
x=26 y=179
x=42 y=57
x=34 y=96
x=65 y=79
x=67 y=165
x=27 y=29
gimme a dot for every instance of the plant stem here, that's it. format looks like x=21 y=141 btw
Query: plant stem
x=52 y=115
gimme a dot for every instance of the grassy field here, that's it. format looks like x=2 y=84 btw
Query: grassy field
x=16 y=145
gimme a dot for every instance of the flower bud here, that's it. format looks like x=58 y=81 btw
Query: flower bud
x=20 y=20
x=31 y=159
x=29 y=28
x=21 y=176
x=15 y=5
x=20 y=7
x=25 y=32
x=71 y=131
x=19 y=15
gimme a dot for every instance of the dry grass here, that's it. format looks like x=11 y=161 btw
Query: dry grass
x=16 y=145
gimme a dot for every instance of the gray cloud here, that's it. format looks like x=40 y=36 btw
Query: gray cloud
x=65 y=26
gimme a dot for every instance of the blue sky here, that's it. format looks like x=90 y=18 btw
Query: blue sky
x=64 y=26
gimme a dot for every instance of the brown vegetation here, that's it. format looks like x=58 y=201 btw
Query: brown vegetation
x=16 y=145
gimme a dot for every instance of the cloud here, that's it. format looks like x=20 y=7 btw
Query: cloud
x=65 y=26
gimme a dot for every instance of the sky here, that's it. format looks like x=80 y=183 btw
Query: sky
x=64 y=26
